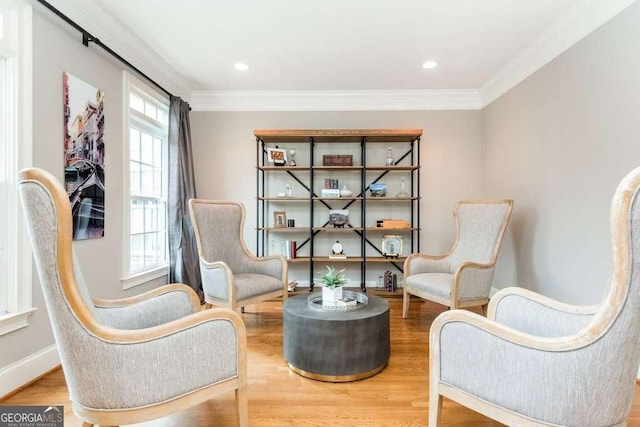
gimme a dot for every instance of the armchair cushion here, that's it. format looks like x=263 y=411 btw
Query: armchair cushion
x=438 y=284
x=535 y=318
x=250 y=285
x=148 y=313
x=419 y=263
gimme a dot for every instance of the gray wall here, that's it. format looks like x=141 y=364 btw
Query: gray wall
x=558 y=144
x=58 y=48
x=225 y=158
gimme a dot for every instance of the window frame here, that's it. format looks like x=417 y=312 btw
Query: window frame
x=16 y=47
x=144 y=123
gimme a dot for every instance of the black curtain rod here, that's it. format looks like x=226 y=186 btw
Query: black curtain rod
x=88 y=38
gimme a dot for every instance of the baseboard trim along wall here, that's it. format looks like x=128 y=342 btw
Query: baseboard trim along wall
x=22 y=372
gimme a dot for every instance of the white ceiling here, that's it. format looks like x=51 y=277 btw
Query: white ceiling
x=337 y=44
x=339 y=55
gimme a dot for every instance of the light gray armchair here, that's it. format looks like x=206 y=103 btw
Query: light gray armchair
x=130 y=360
x=535 y=361
x=463 y=276
x=231 y=275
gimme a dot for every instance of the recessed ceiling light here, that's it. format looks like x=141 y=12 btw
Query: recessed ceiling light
x=430 y=64
x=241 y=66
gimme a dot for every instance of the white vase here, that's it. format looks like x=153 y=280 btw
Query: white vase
x=345 y=192
x=331 y=295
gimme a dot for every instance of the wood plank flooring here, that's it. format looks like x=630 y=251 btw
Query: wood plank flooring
x=398 y=396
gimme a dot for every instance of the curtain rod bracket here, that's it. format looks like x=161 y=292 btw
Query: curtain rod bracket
x=88 y=38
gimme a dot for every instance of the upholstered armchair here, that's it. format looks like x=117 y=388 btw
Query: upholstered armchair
x=463 y=276
x=130 y=360
x=231 y=275
x=535 y=361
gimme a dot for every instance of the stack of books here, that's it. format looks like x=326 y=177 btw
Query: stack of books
x=393 y=223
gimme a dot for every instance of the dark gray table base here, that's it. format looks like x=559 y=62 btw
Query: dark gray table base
x=335 y=346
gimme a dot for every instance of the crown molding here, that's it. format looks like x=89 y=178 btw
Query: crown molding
x=94 y=19
x=335 y=100
x=570 y=28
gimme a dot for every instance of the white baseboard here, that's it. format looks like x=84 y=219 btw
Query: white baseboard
x=18 y=374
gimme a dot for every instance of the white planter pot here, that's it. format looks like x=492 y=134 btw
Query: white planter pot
x=331 y=295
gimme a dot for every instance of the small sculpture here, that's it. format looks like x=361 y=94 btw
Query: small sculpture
x=292 y=161
x=345 y=192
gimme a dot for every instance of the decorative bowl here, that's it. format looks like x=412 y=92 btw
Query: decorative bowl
x=378 y=190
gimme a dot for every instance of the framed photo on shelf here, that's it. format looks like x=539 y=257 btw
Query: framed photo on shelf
x=391 y=246
x=277 y=156
x=279 y=219
x=339 y=217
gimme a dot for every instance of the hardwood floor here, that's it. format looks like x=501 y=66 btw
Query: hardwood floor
x=397 y=396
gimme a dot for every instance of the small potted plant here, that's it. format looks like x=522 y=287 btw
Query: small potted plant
x=332 y=283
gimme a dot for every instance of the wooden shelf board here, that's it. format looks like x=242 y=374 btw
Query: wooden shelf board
x=284 y=199
x=327 y=259
x=337 y=198
x=393 y=168
x=392 y=229
x=383 y=259
x=391 y=199
x=286 y=229
x=337 y=168
x=334 y=230
x=337 y=135
x=283 y=168
x=299 y=259
x=347 y=259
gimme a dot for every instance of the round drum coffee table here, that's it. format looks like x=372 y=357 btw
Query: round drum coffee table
x=336 y=346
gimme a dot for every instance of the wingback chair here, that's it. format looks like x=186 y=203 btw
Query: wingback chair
x=129 y=360
x=463 y=276
x=536 y=361
x=231 y=275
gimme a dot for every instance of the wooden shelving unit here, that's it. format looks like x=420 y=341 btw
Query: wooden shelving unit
x=307 y=175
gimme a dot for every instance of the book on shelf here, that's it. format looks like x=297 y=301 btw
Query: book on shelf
x=393 y=223
x=292 y=285
x=331 y=184
x=330 y=192
x=337 y=256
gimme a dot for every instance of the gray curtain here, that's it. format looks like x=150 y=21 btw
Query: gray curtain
x=183 y=253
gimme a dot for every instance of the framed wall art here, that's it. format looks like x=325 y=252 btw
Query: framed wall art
x=83 y=107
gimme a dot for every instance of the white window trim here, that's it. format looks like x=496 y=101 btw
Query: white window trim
x=20 y=52
x=131 y=280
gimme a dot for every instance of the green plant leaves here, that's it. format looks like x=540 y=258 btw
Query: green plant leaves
x=332 y=278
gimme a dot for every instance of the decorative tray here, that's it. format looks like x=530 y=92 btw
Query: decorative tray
x=315 y=302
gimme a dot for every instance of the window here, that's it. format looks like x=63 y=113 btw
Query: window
x=15 y=154
x=146 y=255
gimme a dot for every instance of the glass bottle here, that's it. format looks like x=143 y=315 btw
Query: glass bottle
x=403 y=192
x=288 y=190
x=389 y=157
